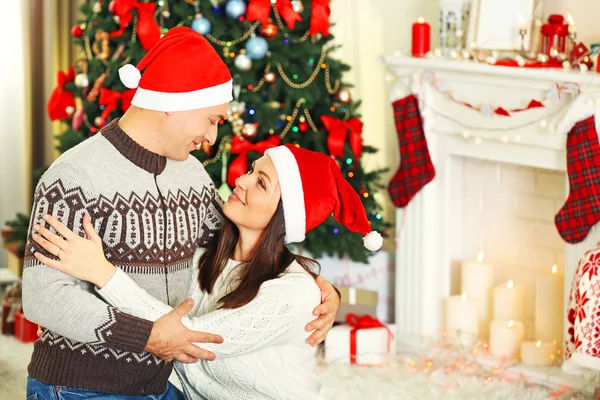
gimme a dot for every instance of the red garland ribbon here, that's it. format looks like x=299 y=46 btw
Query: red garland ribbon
x=241 y=146
x=338 y=131
x=61 y=99
x=364 y=322
x=148 y=31
x=109 y=98
x=260 y=10
x=319 y=17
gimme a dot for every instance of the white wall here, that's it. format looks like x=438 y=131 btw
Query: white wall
x=14 y=164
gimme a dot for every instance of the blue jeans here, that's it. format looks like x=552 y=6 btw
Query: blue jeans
x=37 y=390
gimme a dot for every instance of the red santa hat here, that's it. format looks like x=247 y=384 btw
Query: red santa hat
x=181 y=72
x=312 y=188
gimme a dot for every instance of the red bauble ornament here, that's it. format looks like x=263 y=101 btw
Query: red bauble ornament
x=76 y=31
x=303 y=126
x=269 y=31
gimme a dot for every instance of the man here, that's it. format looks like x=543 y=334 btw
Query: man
x=152 y=204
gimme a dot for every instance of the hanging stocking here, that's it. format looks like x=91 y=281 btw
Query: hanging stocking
x=581 y=211
x=416 y=169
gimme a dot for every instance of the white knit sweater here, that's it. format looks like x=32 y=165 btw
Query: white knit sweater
x=264 y=354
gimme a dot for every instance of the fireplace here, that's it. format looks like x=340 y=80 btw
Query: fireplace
x=499 y=182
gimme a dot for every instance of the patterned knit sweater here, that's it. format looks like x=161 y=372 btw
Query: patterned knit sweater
x=264 y=354
x=152 y=214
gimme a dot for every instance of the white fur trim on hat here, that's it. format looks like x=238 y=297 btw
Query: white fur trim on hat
x=373 y=241
x=162 y=101
x=130 y=76
x=292 y=193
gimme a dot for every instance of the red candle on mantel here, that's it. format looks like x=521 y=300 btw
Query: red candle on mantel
x=421 y=38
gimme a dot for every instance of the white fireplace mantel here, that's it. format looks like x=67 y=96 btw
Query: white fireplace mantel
x=428 y=241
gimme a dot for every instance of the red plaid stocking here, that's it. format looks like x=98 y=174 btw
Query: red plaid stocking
x=582 y=208
x=416 y=169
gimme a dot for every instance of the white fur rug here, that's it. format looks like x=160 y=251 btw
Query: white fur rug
x=340 y=382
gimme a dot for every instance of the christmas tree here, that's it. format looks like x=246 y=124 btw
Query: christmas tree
x=287 y=88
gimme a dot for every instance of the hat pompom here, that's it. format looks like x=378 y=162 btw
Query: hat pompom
x=373 y=241
x=130 y=76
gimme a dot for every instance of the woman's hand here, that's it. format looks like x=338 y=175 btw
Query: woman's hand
x=79 y=257
x=330 y=304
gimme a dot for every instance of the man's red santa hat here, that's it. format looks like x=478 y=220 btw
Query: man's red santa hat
x=312 y=188
x=181 y=72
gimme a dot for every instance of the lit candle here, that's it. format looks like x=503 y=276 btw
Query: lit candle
x=477 y=279
x=538 y=354
x=549 y=291
x=522 y=24
x=462 y=315
x=421 y=38
x=509 y=301
x=572 y=27
x=506 y=338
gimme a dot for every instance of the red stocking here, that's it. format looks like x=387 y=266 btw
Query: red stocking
x=582 y=208
x=416 y=169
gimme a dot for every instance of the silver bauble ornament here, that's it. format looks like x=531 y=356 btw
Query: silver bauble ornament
x=243 y=62
x=82 y=80
x=344 y=96
x=270 y=77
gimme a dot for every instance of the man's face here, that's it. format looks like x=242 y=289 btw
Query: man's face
x=188 y=129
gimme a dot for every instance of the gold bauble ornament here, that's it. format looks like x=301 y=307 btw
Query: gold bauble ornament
x=97 y=7
x=344 y=96
x=270 y=77
x=98 y=121
x=249 y=131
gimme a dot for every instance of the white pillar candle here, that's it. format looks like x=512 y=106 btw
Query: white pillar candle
x=549 y=291
x=462 y=314
x=506 y=338
x=538 y=354
x=509 y=302
x=477 y=279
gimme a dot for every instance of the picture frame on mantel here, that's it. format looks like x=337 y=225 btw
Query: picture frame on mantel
x=495 y=25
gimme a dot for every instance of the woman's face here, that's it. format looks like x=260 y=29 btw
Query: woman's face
x=255 y=197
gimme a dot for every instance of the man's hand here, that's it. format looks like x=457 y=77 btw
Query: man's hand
x=330 y=304
x=170 y=339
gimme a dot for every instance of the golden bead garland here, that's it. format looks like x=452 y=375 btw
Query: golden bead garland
x=335 y=88
x=312 y=77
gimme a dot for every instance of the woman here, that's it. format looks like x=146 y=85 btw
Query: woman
x=247 y=286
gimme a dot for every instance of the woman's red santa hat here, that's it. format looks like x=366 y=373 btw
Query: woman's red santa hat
x=312 y=188
x=181 y=72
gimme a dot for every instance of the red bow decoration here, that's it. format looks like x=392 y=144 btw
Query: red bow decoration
x=109 y=98
x=364 y=322
x=241 y=146
x=61 y=99
x=260 y=10
x=338 y=131
x=319 y=17
x=147 y=30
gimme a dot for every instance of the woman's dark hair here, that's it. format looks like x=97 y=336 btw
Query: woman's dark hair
x=268 y=260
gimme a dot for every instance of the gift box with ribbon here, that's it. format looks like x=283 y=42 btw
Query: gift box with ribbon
x=25 y=331
x=356 y=301
x=362 y=341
